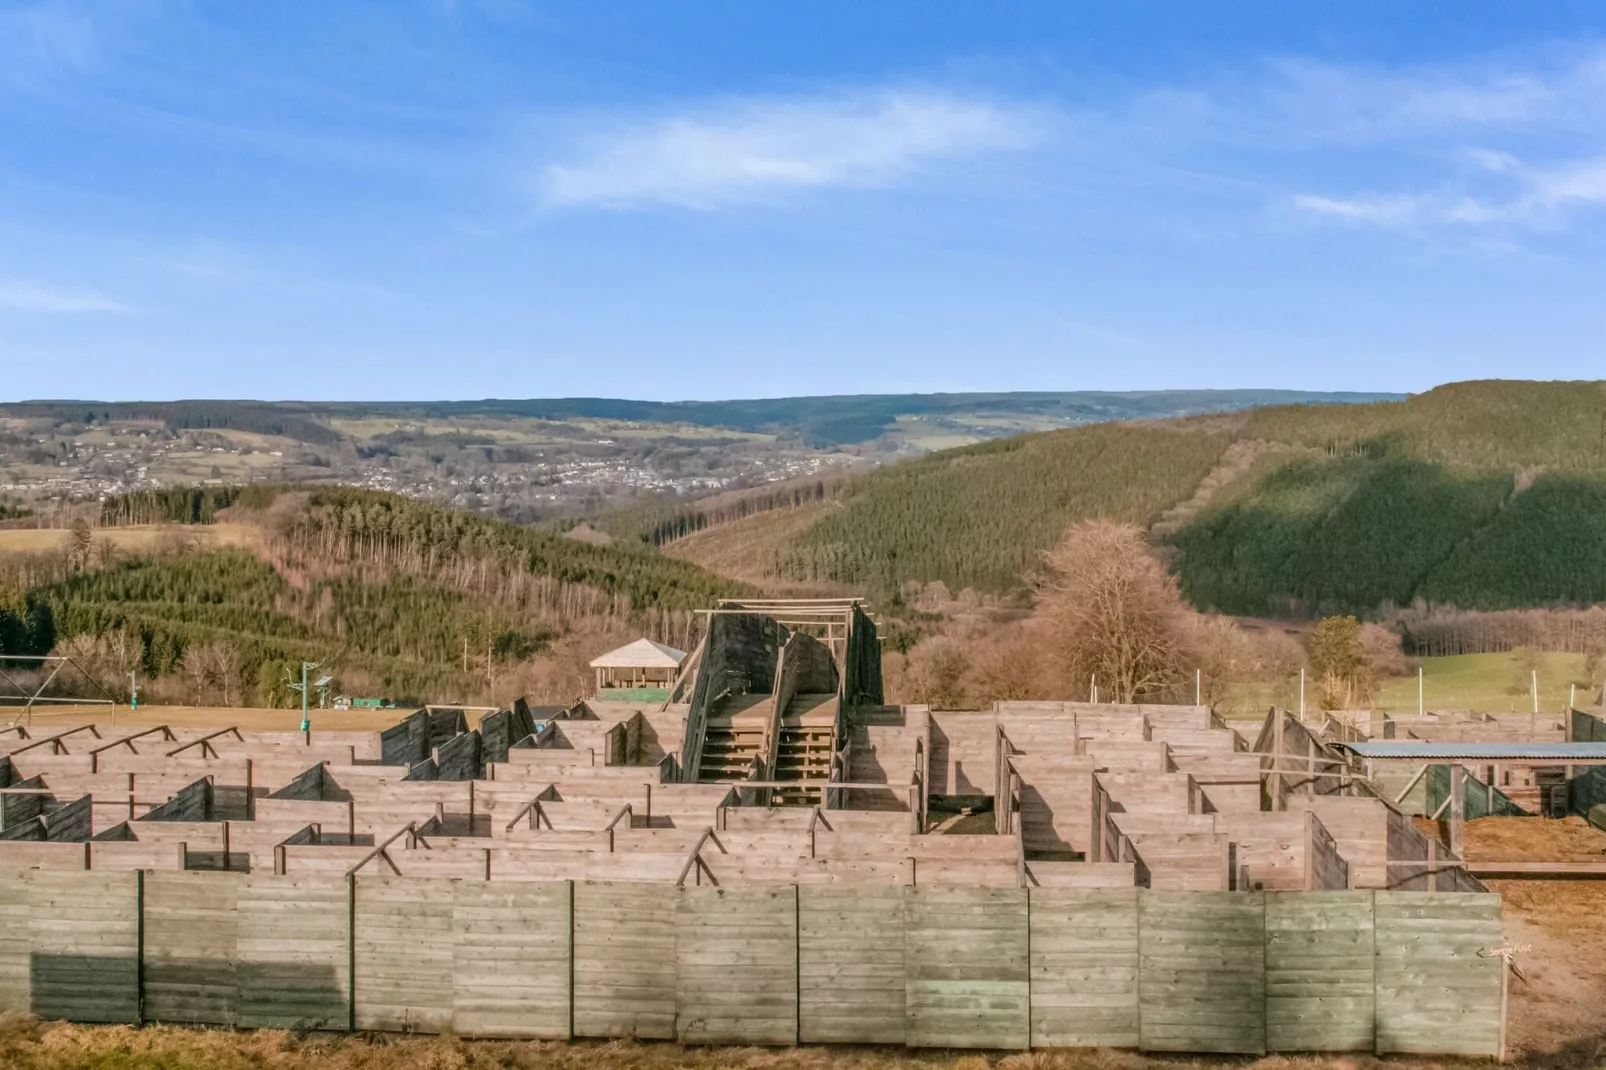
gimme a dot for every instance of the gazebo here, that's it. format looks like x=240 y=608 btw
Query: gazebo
x=642 y=664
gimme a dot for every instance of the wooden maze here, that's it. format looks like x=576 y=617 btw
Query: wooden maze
x=771 y=856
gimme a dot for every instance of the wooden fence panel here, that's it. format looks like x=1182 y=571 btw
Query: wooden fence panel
x=191 y=941
x=16 y=944
x=1320 y=987
x=966 y=969
x=1438 y=991
x=624 y=960
x=736 y=965
x=850 y=965
x=510 y=958
x=1202 y=972
x=84 y=930
x=403 y=954
x=292 y=967
x=1084 y=960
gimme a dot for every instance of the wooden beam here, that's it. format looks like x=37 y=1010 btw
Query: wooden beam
x=205 y=741
x=1458 y=806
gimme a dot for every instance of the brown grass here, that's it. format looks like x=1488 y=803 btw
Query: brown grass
x=216 y=717
x=1514 y=839
x=27 y=1045
x=130 y=539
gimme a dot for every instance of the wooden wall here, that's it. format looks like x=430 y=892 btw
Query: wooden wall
x=951 y=967
x=965 y=957
x=736 y=966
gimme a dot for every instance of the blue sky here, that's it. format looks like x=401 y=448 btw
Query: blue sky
x=665 y=199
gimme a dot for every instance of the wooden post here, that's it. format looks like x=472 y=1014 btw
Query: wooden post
x=1458 y=793
x=1433 y=864
x=1277 y=749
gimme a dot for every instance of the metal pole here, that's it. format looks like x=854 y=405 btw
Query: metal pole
x=1197 y=700
x=1419 y=709
x=1093 y=688
x=1302 y=695
x=306 y=725
x=1535 y=690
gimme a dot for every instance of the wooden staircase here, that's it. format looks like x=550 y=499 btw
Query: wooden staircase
x=805 y=747
x=735 y=736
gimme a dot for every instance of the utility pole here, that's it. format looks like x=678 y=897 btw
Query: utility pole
x=1093 y=688
x=133 y=690
x=1419 y=709
x=306 y=667
x=1197 y=691
x=1535 y=689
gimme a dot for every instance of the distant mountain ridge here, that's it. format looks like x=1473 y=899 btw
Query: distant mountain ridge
x=822 y=420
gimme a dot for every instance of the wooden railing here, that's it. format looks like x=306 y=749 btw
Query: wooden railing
x=687 y=673
x=531 y=810
x=836 y=792
x=694 y=860
x=1002 y=750
x=410 y=830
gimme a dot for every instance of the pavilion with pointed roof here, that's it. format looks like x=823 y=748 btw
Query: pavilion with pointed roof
x=641 y=664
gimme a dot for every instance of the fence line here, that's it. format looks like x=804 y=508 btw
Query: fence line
x=992 y=968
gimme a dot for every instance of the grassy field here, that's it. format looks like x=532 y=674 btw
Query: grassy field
x=1491 y=683
x=135 y=538
x=1487 y=683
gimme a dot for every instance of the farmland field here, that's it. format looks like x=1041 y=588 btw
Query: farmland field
x=134 y=538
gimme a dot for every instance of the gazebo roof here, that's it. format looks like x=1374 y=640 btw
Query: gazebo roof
x=642 y=654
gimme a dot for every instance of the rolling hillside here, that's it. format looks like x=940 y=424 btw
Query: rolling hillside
x=1484 y=495
x=395 y=595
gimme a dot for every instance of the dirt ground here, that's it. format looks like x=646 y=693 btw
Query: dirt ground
x=1557 y=1009
x=214 y=717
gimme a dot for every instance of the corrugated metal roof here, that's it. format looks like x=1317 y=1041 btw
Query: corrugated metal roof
x=1422 y=751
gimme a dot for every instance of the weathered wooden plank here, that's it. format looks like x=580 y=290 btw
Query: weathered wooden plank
x=966 y=967
x=1084 y=967
x=191 y=946
x=1202 y=972
x=15 y=944
x=1320 y=971
x=1438 y=995
x=84 y=964
x=850 y=965
x=736 y=965
x=403 y=954
x=292 y=967
x=510 y=958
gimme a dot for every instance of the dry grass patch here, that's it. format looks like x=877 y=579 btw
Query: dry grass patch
x=27 y=1045
x=133 y=539
x=260 y=720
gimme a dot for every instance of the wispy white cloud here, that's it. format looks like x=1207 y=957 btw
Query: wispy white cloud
x=754 y=150
x=31 y=295
x=1483 y=145
x=39 y=40
x=1538 y=197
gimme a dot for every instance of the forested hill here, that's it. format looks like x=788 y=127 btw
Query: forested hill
x=393 y=595
x=1483 y=495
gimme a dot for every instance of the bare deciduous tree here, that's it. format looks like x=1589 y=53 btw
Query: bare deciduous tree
x=1111 y=611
